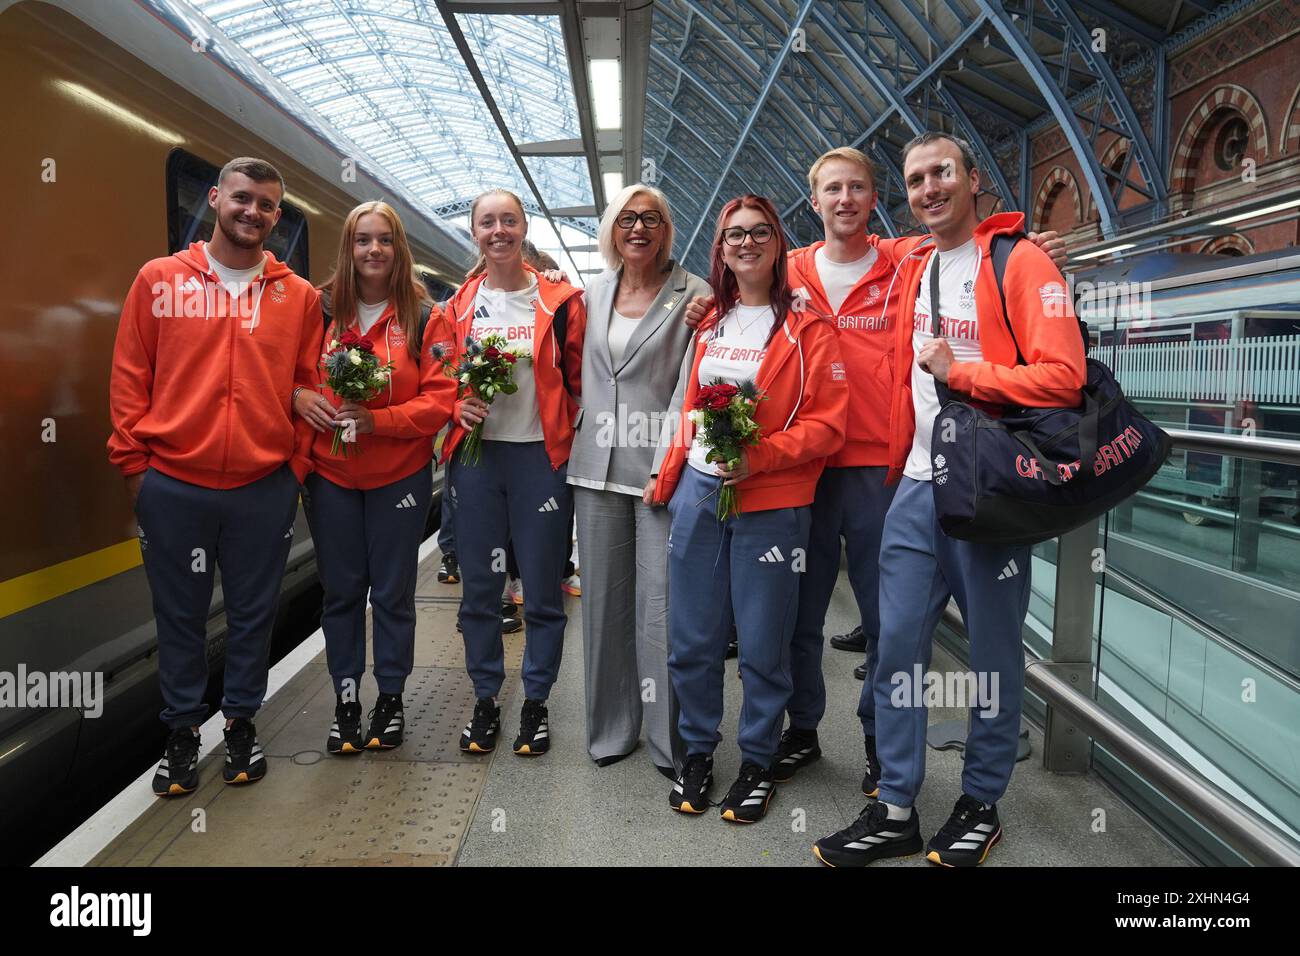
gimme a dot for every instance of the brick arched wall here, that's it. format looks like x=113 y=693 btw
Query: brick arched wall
x=1058 y=176
x=1239 y=243
x=1289 y=141
x=1227 y=97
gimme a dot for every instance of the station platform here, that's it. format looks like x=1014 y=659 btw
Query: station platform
x=427 y=804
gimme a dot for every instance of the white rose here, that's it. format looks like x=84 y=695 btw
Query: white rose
x=354 y=356
x=478 y=360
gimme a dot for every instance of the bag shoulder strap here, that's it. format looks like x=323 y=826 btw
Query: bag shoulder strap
x=560 y=329
x=426 y=310
x=1000 y=253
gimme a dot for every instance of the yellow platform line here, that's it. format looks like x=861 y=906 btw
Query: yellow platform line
x=37 y=587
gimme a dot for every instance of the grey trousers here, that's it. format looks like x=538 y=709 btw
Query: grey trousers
x=623 y=546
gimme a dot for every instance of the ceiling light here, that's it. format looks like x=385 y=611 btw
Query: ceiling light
x=1255 y=213
x=606 y=93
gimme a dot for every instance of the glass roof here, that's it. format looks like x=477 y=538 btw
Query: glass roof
x=385 y=76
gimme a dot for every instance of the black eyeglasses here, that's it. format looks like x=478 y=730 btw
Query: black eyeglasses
x=650 y=219
x=761 y=234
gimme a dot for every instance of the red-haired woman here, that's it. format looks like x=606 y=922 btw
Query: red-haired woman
x=515 y=492
x=367 y=510
x=747 y=565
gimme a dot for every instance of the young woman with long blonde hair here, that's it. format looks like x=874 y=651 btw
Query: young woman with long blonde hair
x=367 y=509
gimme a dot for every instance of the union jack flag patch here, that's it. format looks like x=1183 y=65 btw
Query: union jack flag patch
x=837 y=371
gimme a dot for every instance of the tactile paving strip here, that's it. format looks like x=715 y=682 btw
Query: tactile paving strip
x=409 y=806
x=439 y=644
x=319 y=813
x=437 y=704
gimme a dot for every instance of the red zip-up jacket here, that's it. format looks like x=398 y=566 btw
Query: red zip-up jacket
x=557 y=407
x=408 y=413
x=1038 y=309
x=202 y=383
x=801 y=420
x=865 y=323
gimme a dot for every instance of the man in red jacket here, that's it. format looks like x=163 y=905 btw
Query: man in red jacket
x=211 y=343
x=920 y=566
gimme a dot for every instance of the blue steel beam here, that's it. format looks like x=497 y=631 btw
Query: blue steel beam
x=988 y=162
x=770 y=81
x=726 y=111
x=1056 y=99
x=1139 y=146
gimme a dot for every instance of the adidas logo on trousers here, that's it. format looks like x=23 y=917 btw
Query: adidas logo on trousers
x=551 y=505
x=407 y=502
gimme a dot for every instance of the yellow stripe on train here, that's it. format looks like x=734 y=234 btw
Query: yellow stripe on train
x=36 y=587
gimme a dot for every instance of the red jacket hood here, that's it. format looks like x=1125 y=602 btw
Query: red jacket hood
x=196 y=257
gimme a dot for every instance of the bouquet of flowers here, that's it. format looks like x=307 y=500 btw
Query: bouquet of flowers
x=353 y=372
x=723 y=416
x=486 y=370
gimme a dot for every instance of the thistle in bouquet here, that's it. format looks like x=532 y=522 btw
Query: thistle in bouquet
x=353 y=373
x=485 y=370
x=723 y=416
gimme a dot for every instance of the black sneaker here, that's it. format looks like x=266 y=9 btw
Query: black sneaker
x=509 y=609
x=178 y=771
x=386 y=723
x=690 y=794
x=480 y=735
x=967 y=837
x=345 y=732
x=510 y=622
x=872 y=836
x=449 y=570
x=747 y=800
x=244 y=760
x=797 y=749
x=855 y=640
x=871 y=779
x=860 y=672
x=534 y=732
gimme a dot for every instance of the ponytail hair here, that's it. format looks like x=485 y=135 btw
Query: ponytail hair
x=480 y=265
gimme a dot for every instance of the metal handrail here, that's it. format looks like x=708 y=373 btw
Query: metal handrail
x=1255 y=840
x=1283 y=450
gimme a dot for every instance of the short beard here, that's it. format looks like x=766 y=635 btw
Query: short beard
x=236 y=241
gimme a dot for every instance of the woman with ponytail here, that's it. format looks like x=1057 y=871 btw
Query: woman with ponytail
x=514 y=491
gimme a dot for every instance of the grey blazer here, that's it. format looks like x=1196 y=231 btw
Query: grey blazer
x=624 y=409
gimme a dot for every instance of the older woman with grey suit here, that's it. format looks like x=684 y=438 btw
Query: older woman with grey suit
x=636 y=339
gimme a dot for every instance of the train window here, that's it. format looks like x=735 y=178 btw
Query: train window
x=190 y=218
x=438 y=291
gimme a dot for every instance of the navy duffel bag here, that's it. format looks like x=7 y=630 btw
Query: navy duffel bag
x=1035 y=473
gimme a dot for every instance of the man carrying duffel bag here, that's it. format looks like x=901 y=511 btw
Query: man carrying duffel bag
x=921 y=566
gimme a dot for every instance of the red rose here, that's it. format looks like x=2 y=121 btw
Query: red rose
x=510 y=358
x=350 y=339
x=365 y=345
x=719 y=400
x=704 y=396
x=726 y=389
x=491 y=353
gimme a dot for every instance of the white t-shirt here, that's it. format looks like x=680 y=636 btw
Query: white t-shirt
x=368 y=315
x=510 y=314
x=621 y=329
x=235 y=280
x=958 y=269
x=839 y=278
x=735 y=350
